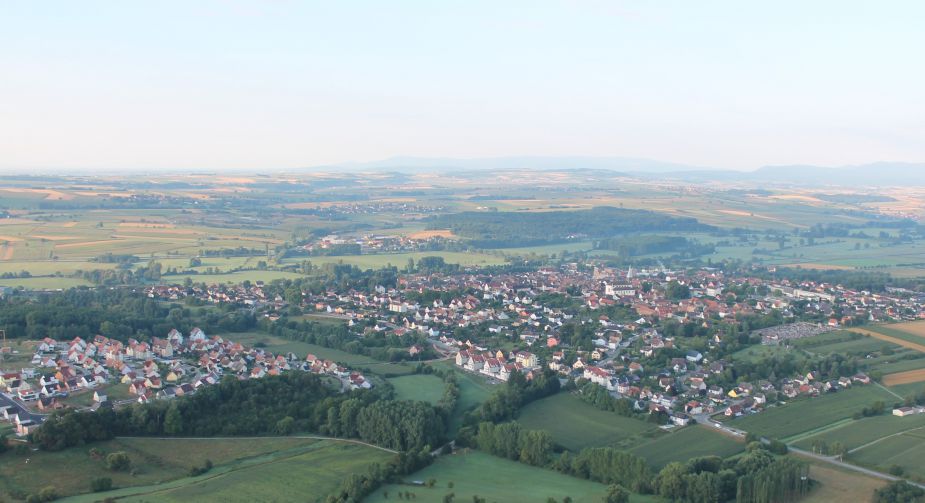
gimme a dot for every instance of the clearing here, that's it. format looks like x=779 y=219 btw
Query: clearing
x=686 y=443
x=575 y=424
x=478 y=474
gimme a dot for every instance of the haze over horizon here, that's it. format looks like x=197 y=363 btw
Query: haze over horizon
x=274 y=86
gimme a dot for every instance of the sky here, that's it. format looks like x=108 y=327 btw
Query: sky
x=276 y=85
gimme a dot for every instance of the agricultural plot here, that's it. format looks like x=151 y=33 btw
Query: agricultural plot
x=837 y=484
x=686 y=443
x=808 y=414
x=902 y=338
x=307 y=474
x=575 y=424
x=400 y=260
x=495 y=479
x=905 y=450
x=861 y=432
x=153 y=460
x=423 y=387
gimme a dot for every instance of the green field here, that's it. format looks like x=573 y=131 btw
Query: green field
x=154 y=461
x=686 y=443
x=897 y=333
x=302 y=474
x=423 y=387
x=575 y=424
x=906 y=450
x=807 y=414
x=860 y=432
x=380 y=260
x=492 y=478
x=302 y=349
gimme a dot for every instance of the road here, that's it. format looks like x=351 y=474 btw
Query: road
x=7 y=399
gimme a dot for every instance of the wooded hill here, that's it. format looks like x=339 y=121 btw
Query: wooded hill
x=495 y=229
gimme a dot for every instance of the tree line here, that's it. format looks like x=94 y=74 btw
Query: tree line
x=276 y=405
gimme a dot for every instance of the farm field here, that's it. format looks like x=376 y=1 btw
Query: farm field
x=575 y=424
x=308 y=471
x=231 y=277
x=154 y=461
x=378 y=261
x=807 y=414
x=495 y=479
x=686 y=443
x=423 y=387
x=895 y=335
x=837 y=485
x=905 y=450
x=857 y=433
x=302 y=349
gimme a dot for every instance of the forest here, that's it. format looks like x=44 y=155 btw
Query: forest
x=496 y=229
x=278 y=405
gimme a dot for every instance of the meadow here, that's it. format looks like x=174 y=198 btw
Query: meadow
x=302 y=349
x=154 y=461
x=835 y=484
x=575 y=424
x=306 y=474
x=477 y=474
x=805 y=414
x=423 y=387
x=860 y=432
x=688 y=442
x=905 y=451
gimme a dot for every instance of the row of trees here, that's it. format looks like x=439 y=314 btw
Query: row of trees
x=292 y=402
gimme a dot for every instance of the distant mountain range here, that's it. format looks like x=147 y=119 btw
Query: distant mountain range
x=873 y=174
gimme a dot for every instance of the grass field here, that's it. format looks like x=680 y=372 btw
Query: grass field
x=807 y=414
x=495 y=479
x=837 y=485
x=154 y=461
x=575 y=424
x=894 y=335
x=423 y=387
x=906 y=450
x=380 y=260
x=302 y=349
x=305 y=474
x=857 y=433
x=686 y=443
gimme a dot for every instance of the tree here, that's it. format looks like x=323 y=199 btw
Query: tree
x=118 y=461
x=173 y=420
x=616 y=494
x=101 y=484
x=285 y=426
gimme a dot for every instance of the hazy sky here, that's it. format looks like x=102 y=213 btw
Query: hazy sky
x=267 y=85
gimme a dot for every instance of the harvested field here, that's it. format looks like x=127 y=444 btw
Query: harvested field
x=912 y=327
x=49 y=237
x=907 y=377
x=7 y=252
x=85 y=243
x=894 y=340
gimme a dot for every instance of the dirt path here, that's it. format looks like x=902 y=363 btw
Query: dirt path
x=899 y=342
